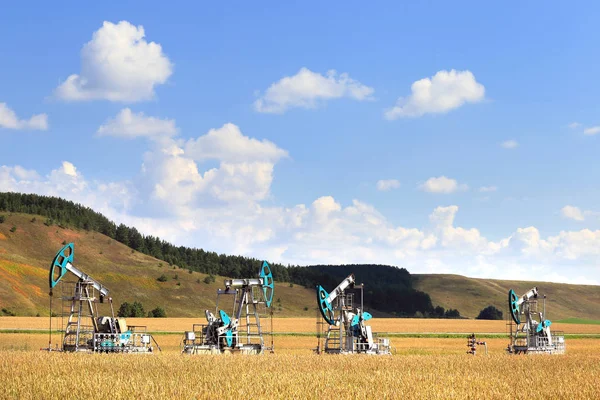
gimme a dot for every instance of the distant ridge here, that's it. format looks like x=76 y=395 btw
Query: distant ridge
x=470 y=295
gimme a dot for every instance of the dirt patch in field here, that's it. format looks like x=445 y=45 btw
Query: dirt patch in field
x=2 y=236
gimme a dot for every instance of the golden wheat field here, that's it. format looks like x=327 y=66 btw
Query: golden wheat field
x=307 y=325
x=36 y=375
x=420 y=368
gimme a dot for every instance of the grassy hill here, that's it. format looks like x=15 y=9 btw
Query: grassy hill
x=470 y=295
x=26 y=254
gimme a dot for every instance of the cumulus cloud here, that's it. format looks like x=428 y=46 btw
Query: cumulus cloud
x=67 y=182
x=118 y=64
x=577 y=214
x=591 y=130
x=128 y=124
x=23 y=174
x=385 y=185
x=488 y=189
x=442 y=219
x=243 y=176
x=576 y=245
x=222 y=207
x=228 y=144
x=325 y=231
x=509 y=144
x=572 y=212
x=442 y=184
x=443 y=92
x=9 y=120
x=308 y=89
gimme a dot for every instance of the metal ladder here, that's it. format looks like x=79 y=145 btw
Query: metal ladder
x=77 y=333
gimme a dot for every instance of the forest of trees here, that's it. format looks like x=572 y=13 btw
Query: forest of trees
x=388 y=289
x=490 y=312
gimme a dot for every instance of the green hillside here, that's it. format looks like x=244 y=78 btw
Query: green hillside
x=470 y=295
x=26 y=254
x=389 y=288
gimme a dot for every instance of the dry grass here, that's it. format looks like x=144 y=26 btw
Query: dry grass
x=306 y=325
x=471 y=295
x=33 y=375
x=25 y=258
x=430 y=368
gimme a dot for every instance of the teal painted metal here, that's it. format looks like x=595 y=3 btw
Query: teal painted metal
x=224 y=317
x=60 y=261
x=356 y=320
x=229 y=337
x=325 y=306
x=363 y=316
x=513 y=306
x=228 y=334
x=268 y=285
x=124 y=337
x=545 y=324
x=107 y=343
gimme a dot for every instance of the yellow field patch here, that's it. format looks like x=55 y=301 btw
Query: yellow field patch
x=308 y=325
x=2 y=236
x=28 y=373
x=135 y=280
x=19 y=269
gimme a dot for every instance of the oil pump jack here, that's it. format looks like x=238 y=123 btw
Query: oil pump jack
x=85 y=330
x=241 y=331
x=347 y=332
x=532 y=336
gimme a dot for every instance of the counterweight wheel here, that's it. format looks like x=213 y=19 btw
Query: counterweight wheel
x=513 y=306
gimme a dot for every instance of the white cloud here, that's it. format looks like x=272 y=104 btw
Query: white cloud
x=442 y=184
x=223 y=208
x=488 y=189
x=9 y=120
x=509 y=144
x=324 y=232
x=68 y=169
x=385 y=185
x=574 y=125
x=67 y=182
x=592 y=130
x=577 y=244
x=577 y=214
x=442 y=219
x=118 y=64
x=131 y=125
x=25 y=174
x=445 y=91
x=309 y=89
x=572 y=212
x=323 y=206
x=244 y=175
x=228 y=144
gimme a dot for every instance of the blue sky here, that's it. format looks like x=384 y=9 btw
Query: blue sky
x=488 y=162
